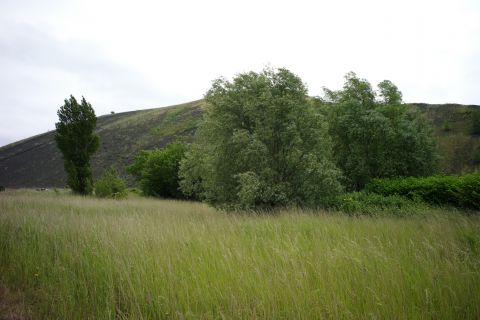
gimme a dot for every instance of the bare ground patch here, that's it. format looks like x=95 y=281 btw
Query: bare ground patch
x=12 y=305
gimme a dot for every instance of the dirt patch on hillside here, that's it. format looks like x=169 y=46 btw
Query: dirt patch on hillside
x=12 y=305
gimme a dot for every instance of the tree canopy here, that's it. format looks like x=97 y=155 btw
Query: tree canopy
x=261 y=144
x=157 y=170
x=77 y=142
x=375 y=135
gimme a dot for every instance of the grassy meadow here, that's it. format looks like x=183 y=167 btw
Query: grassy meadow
x=85 y=258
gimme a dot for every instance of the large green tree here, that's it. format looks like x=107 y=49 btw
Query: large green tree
x=375 y=135
x=77 y=141
x=261 y=145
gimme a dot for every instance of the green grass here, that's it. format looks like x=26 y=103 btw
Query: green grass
x=86 y=258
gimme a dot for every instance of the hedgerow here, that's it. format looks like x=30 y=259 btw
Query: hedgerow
x=459 y=191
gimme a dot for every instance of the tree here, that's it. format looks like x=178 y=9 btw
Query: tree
x=157 y=170
x=76 y=140
x=261 y=145
x=375 y=135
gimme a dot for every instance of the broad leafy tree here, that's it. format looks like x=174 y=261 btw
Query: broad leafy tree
x=157 y=170
x=77 y=141
x=261 y=145
x=375 y=135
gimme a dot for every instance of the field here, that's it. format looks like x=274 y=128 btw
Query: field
x=85 y=258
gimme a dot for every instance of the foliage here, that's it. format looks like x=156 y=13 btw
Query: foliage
x=460 y=191
x=157 y=170
x=76 y=140
x=110 y=185
x=375 y=135
x=261 y=145
x=372 y=204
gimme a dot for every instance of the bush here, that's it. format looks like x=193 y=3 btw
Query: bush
x=459 y=191
x=110 y=185
x=362 y=203
x=157 y=170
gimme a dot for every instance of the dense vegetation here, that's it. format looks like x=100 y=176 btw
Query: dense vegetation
x=88 y=258
x=375 y=135
x=77 y=142
x=261 y=144
x=110 y=185
x=460 y=191
x=157 y=170
x=264 y=144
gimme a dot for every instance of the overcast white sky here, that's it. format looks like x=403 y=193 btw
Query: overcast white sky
x=128 y=55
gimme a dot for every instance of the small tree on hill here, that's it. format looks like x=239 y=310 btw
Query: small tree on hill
x=76 y=140
x=261 y=145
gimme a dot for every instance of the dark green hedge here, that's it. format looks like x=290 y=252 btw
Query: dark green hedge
x=371 y=204
x=459 y=191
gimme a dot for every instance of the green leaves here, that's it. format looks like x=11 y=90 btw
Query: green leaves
x=461 y=191
x=157 y=170
x=110 y=185
x=261 y=145
x=76 y=140
x=377 y=138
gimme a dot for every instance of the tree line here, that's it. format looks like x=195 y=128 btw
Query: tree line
x=264 y=143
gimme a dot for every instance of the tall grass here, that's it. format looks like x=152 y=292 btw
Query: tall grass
x=84 y=258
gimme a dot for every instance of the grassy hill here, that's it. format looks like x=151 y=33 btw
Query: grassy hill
x=453 y=129
x=36 y=162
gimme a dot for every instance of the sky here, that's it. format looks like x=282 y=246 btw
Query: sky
x=130 y=55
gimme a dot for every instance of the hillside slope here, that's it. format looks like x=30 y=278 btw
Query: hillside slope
x=457 y=145
x=36 y=162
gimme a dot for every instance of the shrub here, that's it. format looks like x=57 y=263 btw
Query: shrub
x=362 y=203
x=460 y=191
x=157 y=170
x=110 y=185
